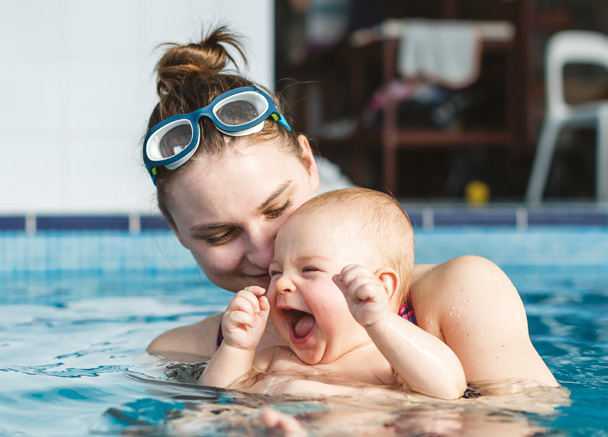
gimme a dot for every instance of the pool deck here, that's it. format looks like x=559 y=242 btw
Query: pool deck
x=424 y=214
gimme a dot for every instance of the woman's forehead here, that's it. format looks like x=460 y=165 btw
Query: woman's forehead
x=238 y=182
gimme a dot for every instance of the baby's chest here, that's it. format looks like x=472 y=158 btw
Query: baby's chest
x=371 y=368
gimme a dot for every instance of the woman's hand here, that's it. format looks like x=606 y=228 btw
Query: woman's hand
x=367 y=298
x=245 y=318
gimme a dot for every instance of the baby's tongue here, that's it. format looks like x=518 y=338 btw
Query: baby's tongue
x=304 y=325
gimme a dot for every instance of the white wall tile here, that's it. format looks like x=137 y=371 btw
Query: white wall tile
x=32 y=28
x=77 y=87
x=109 y=29
x=104 y=95
x=33 y=174
x=32 y=93
x=114 y=178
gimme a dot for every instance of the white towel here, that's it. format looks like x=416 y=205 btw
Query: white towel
x=447 y=52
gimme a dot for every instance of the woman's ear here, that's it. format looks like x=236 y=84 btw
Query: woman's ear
x=309 y=160
x=390 y=281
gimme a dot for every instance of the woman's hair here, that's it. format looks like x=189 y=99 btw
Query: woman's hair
x=381 y=223
x=189 y=77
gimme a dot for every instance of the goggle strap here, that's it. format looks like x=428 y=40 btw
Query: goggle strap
x=153 y=174
x=278 y=117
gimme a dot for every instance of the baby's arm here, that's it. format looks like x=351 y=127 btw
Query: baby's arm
x=424 y=363
x=243 y=325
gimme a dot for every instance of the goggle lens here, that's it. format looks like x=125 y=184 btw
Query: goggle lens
x=240 y=109
x=175 y=140
x=170 y=140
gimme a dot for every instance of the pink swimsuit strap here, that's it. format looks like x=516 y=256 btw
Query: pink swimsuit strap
x=406 y=310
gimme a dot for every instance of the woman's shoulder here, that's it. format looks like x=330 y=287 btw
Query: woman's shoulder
x=464 y=270
x=436 y=288
x=188 y=343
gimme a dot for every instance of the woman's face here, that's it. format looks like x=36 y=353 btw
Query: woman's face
x=228 y=209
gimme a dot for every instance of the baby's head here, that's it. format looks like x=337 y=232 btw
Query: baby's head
x=372 y=224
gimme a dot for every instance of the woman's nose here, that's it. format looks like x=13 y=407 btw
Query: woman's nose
x=261 y=246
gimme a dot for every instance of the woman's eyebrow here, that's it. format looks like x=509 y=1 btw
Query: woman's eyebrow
x=209 y=226
x=274 y=195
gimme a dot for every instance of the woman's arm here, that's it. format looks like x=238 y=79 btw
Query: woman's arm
x=479 y=314
x=191 y=343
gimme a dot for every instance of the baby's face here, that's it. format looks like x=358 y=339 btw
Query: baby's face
x=307 y=308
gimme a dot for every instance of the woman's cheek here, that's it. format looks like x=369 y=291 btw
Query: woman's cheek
x=218 y=260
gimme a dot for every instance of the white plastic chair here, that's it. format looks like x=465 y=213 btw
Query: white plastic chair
x=580 y=47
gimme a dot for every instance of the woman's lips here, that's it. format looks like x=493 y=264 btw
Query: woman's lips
x=262 y=280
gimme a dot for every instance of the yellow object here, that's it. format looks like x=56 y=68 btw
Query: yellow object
x=477 y=193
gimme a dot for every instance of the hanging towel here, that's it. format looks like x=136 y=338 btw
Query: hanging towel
x=447 y=52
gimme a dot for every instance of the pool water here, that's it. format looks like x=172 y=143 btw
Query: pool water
x=72 y=342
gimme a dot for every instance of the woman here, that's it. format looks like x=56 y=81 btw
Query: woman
x=229 y=171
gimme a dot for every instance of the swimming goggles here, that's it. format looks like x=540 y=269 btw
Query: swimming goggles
x=237 y=112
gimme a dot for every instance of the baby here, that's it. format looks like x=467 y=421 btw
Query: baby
x=341 y=269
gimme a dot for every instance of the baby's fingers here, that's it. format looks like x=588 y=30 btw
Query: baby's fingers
x=352 y=272
x=258 y=291
x=264 y=304
x=239 y=318
x=247 y=301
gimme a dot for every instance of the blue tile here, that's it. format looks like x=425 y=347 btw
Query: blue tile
x=80 y=223
x=12 y=223
x=153 y=222
x=477 y=218
x=565 y=218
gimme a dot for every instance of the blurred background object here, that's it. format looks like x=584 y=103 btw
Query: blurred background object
x=565 y=48
x=392 y=119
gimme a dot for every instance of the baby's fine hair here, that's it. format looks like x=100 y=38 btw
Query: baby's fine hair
x=383 y=222
x=190 y=76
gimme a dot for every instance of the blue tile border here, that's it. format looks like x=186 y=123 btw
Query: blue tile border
x=544 y=218
x=12 y=223
x=470 y=218
x=421 y=217
x=153 y=222
x=82 y=223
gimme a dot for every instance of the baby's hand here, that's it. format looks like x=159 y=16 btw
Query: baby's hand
x=245 y=318
x=367 y=299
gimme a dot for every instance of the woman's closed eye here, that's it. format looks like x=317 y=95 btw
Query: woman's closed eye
x=278 y=212
x=221 y=238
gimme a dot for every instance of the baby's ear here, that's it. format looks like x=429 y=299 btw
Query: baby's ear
x=390 y=281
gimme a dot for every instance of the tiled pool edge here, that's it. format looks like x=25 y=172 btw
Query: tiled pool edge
x=422 y=217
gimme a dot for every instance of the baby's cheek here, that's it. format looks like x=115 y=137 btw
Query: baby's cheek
x=271 y=295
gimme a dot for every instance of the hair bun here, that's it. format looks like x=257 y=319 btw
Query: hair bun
x=195 y=60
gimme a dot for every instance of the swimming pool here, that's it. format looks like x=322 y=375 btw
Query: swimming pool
x=78 y=308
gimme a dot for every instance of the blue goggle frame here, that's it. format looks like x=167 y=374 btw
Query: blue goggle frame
x=151 y=150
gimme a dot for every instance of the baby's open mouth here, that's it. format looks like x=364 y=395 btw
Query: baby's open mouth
x=301 y=323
